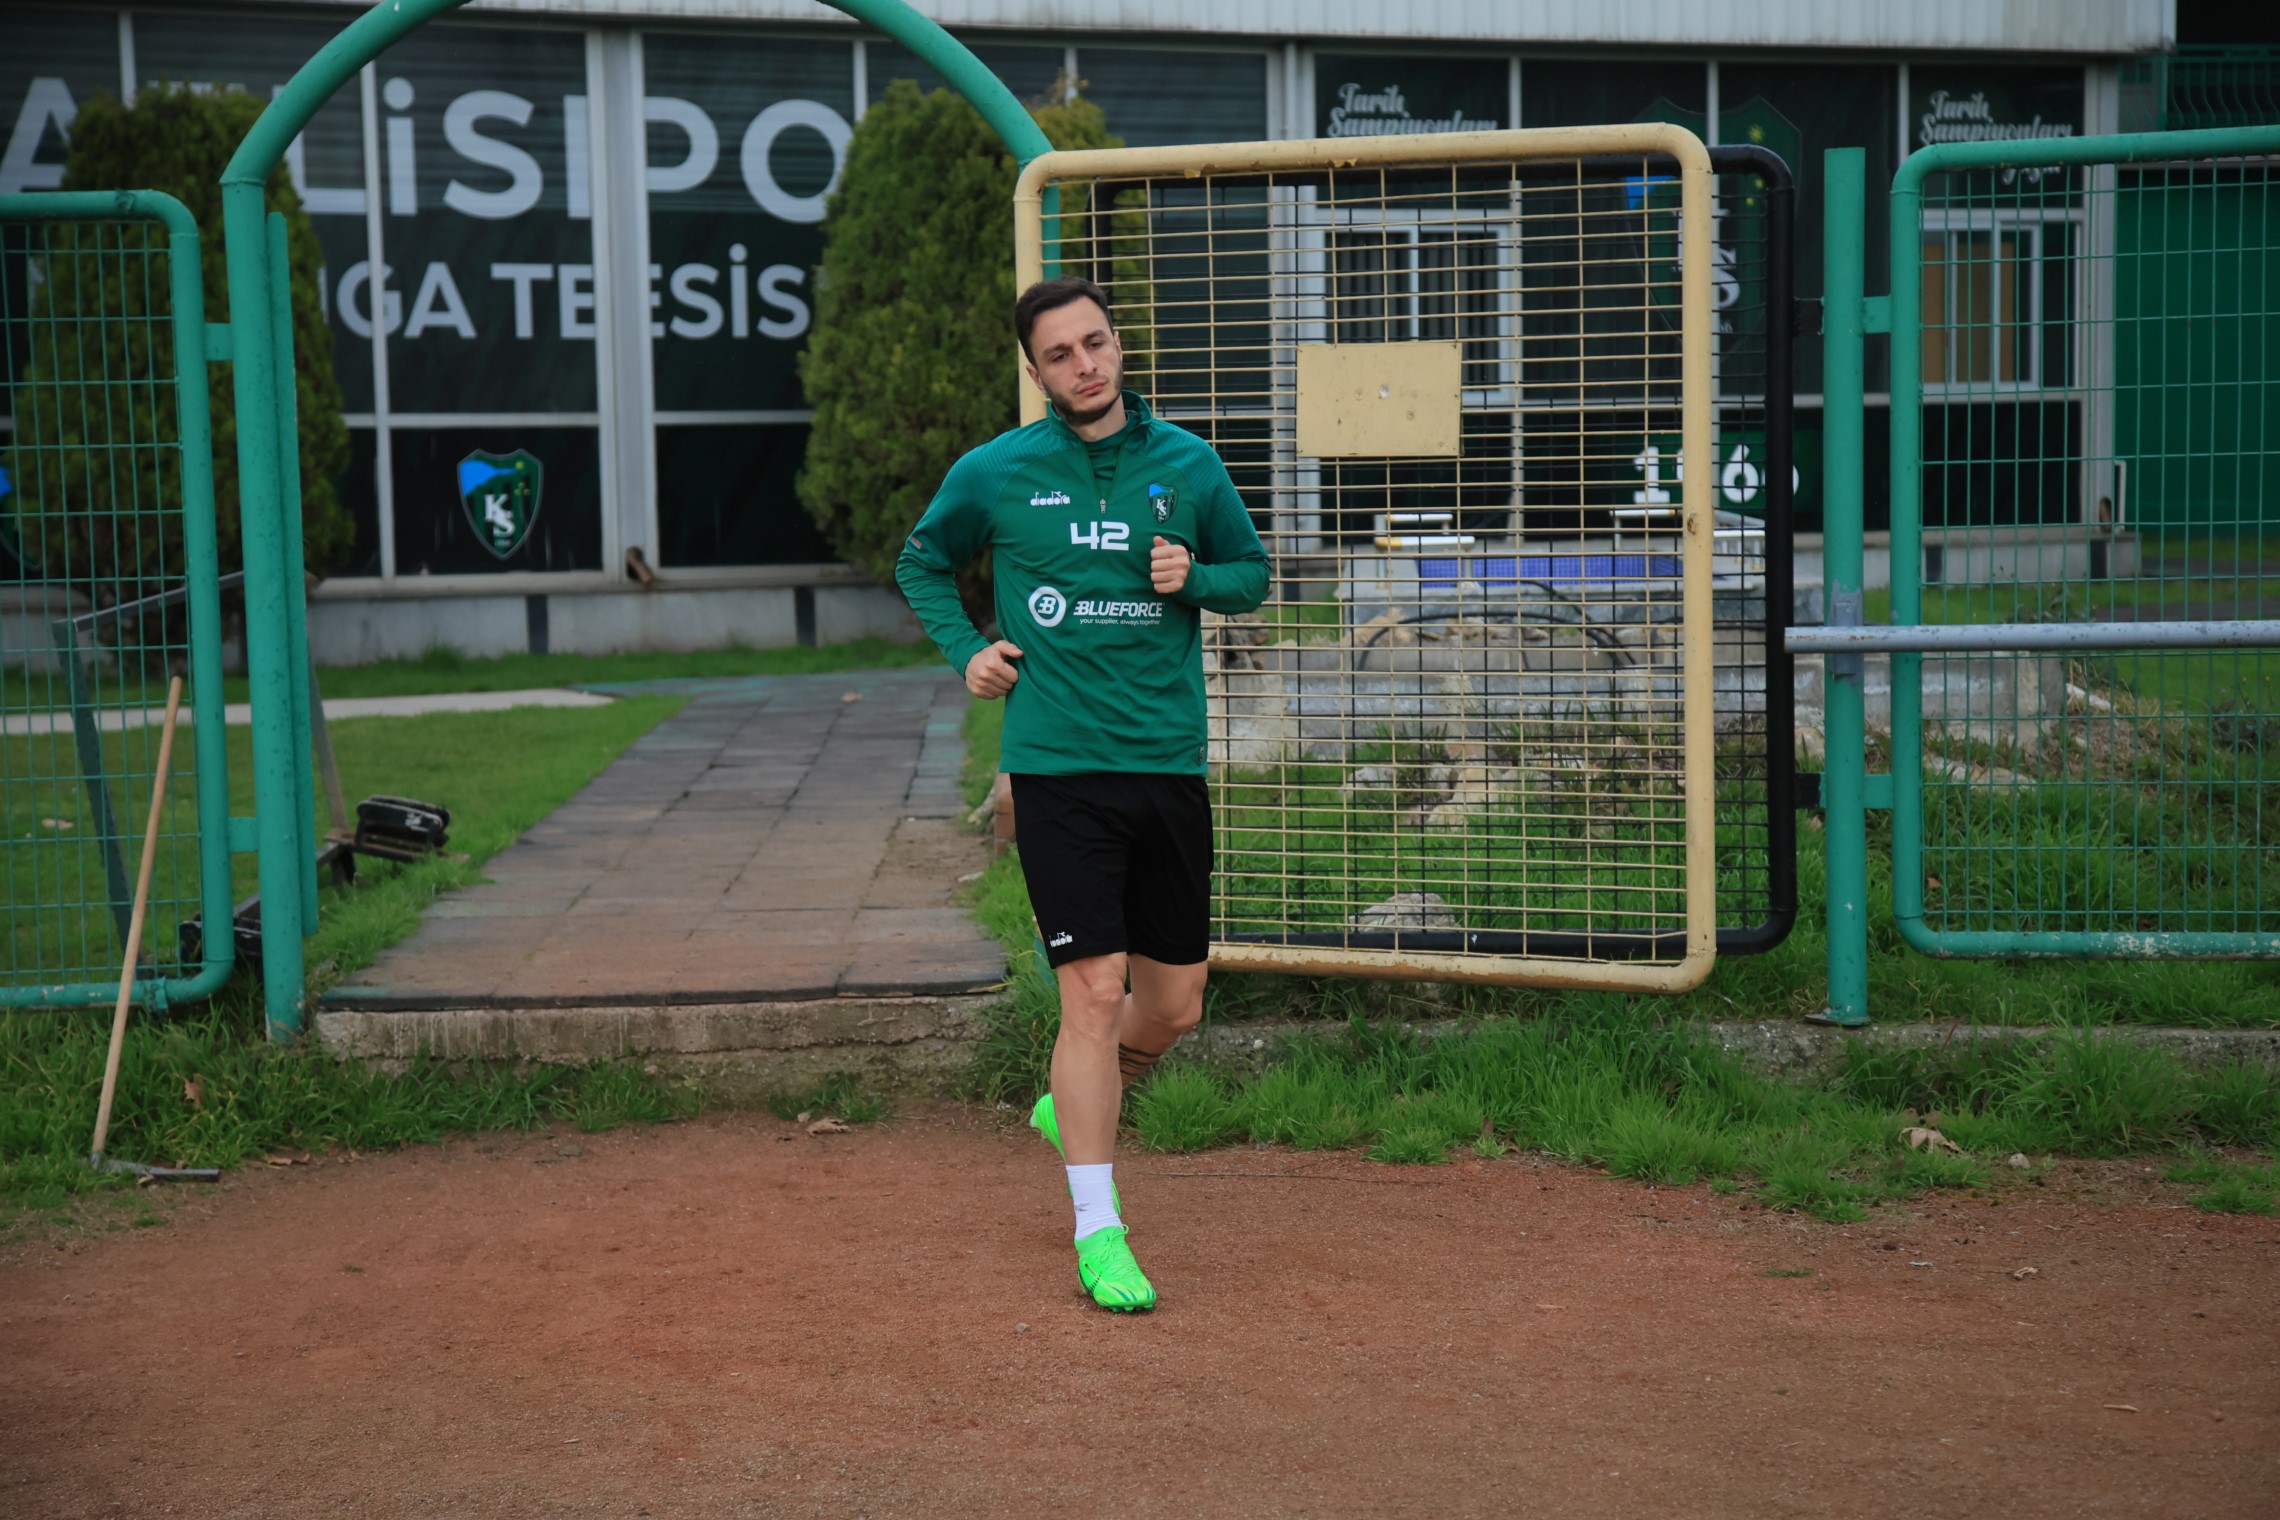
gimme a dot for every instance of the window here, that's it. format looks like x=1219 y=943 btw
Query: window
x=1409 y=280
x=1997 y=301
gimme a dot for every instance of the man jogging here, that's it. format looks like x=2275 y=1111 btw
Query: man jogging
x=1109 y=528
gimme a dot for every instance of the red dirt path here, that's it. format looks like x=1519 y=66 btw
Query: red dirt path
x=710 y=1319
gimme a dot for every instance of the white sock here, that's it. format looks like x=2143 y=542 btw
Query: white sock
x=1094 y=1192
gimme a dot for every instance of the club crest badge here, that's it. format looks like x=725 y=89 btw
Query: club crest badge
x=1163 y=499
x=500 y=493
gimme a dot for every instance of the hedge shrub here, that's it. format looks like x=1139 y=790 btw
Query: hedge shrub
x=912 y=359
x=97 y=389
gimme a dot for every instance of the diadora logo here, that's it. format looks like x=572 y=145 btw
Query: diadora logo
x=1050 y=499
x=1047 y=607
x=1062 y=938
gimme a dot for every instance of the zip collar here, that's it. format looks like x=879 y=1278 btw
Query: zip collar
x=1136 y=412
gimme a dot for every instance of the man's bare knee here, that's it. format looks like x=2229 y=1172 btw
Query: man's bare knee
x=1092 y=995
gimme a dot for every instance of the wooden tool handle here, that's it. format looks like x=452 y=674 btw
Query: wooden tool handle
x=135 y=924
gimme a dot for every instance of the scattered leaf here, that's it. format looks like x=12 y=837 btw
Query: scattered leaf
x=194 y=1091
x=2124 y=1408
x=802 y=1117
x=1551 y=1306
x=827 y=1127
x=851 y=696
x=1931 y=883
x=55 y=823
x=2017 y=1161
x=1922 y=1137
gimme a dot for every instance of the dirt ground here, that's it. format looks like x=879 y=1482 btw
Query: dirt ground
x=723 y=1318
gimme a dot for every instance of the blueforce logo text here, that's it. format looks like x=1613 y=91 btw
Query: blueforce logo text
x=1091 y=611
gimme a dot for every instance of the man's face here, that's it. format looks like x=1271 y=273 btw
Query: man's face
x=1079 y=364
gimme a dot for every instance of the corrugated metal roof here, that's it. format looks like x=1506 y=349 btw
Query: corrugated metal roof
x=2034 y=26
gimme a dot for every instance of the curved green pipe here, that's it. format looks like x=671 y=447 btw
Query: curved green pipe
x=372 y=33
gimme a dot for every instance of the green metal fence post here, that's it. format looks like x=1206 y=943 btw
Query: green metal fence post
x=201 y=556
x=270 y=661
x=1844 y=788
x=295 y=569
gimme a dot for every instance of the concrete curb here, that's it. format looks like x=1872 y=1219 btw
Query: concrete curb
x=734 y=1050
x=1781 y=1048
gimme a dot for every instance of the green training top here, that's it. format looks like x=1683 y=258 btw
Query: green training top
x=1111 y=673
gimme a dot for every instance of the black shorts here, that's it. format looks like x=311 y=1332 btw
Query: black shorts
x=1117 y=862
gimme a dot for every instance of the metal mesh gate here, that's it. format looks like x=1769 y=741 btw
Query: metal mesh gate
x=1470 y=733
x=2087 y=440
x=107 y=587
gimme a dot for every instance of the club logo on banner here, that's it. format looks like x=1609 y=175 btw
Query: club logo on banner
x=500 y=493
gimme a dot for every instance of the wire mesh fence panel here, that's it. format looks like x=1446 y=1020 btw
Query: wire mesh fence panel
x=106 y=531
x=2090 y=369
x=1470 y=733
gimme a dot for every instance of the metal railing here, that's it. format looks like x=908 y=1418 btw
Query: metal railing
x=2085 y=666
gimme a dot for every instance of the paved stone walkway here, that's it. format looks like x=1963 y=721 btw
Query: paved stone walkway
x=781 y=838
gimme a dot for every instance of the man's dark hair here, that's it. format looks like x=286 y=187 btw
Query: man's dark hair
x=1048 y=295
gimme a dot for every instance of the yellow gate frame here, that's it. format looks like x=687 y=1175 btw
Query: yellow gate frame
x=1199 y=164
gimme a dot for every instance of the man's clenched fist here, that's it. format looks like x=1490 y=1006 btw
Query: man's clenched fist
x=991 y=673
x=1168 y=565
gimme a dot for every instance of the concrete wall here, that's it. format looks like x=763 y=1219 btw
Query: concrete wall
x=356 y=630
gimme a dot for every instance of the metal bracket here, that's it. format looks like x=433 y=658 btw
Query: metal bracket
x=1876 y=790
x=1876 y=314
x=1845 y=612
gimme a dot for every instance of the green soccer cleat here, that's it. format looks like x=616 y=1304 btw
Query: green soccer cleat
x=1108 y=1272
x=1041 y=1120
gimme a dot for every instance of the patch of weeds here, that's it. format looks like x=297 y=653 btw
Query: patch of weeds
x=1411 y=1145
x=2237 y=1104
x=2234 y=1187
x=1310 y=1110
x=2237 y=1194
x=1185 y=1110
x=1919 y=1171
x=251 y=1098
x=145 y=1221
x=612 y=1093
x=839 y=1096
x=1642 y=1138
x=1787 y=1272
x=1802 y=1169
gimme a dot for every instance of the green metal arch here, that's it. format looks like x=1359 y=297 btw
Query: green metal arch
x=380 y=27
x=273 y=592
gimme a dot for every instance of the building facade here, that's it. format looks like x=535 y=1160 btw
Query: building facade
x=589 y=230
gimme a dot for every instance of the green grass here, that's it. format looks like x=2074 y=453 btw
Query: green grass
x=254 y=1100
x=840 y=1095
x=499 y=773
x=1603 y=1086
x=1631 y=1084
x=444 y=669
